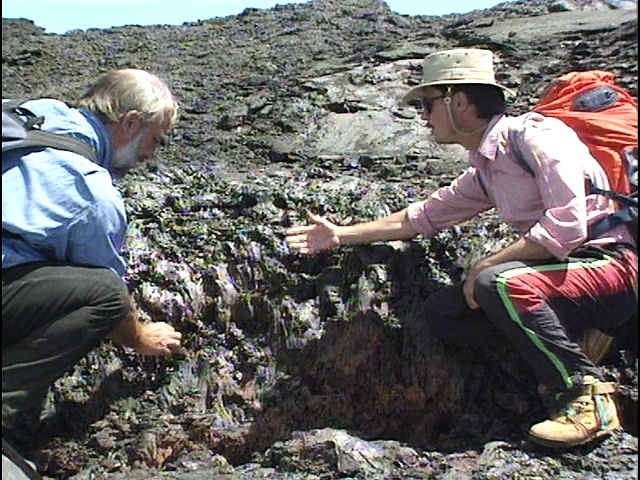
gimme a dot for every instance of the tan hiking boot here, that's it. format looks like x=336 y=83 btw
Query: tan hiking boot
x=590 y=416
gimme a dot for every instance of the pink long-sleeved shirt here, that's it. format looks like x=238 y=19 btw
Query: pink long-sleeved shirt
x=549 y=207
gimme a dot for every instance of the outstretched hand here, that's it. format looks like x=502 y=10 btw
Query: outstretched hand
x=320 y=235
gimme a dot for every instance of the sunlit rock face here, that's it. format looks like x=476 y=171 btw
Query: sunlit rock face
x=311 y=367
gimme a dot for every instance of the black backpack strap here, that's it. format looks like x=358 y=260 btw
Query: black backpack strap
x=40 y=139
x=481 y=182
x=611 y=221
x=11 y=104
x=36 y=138
x=627 y=200
x=515 y=146
x=625 y=215
x=517 y=153
x=22 y=468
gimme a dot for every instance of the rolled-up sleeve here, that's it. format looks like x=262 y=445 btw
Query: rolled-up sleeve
x=461 y=200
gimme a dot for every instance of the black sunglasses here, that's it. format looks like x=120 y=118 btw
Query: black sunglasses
x=426 y=104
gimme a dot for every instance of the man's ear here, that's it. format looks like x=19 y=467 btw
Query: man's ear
x=460 y=101
x=130 y=123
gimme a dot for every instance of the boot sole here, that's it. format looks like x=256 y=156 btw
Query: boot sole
x=557 y=444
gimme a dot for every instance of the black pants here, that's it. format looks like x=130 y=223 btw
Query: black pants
x=52 y=316
x=541 y=308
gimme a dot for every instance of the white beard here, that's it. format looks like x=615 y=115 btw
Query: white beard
x=127 y=157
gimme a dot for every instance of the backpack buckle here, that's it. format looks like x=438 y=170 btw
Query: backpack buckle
x=30 y=120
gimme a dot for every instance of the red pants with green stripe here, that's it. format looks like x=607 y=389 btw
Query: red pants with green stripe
x=541 y=307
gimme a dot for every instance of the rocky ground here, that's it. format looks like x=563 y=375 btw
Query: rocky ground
x=310 y=367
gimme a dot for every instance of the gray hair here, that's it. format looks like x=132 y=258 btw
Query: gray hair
x=118 y=92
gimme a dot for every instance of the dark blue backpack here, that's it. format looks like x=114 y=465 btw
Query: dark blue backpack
x=21 y=129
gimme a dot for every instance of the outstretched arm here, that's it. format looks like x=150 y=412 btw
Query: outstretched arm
x=324 y=235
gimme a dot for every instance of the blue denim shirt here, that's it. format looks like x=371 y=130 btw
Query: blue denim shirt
x=62 y=206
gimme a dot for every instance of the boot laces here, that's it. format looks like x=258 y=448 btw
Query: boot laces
x=574 y=411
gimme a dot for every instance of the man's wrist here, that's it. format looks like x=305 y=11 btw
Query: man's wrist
x=128 y=331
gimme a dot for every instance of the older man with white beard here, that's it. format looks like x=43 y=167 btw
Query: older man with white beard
x=63 y=226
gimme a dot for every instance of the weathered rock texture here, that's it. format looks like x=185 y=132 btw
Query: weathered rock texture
x=310 y=367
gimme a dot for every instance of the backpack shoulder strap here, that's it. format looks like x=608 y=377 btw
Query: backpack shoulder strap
x=481 y=182
x=613 y=220
x=15 y=465
x=512 y=138
x=629 y=213
x=40 y=139
x=19 y=130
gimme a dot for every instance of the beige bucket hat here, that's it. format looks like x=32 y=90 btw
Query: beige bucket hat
x=457 y=66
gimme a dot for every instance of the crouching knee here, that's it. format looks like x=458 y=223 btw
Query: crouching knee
x=486 y=286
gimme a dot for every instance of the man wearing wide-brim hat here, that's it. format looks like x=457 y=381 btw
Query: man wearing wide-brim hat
x=460 y=70
x=551 y=284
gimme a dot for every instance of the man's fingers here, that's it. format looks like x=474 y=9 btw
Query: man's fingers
x=316 y=219
x=300 y=230
x=298 y=243
x=295 y=238
x=301 y=247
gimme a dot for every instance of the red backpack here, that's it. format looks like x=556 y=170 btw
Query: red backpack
x=603 y=114
x=605 y=118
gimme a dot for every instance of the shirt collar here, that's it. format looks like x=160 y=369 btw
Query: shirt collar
x=488 y=147
x=489 y=144
x=105 y=151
